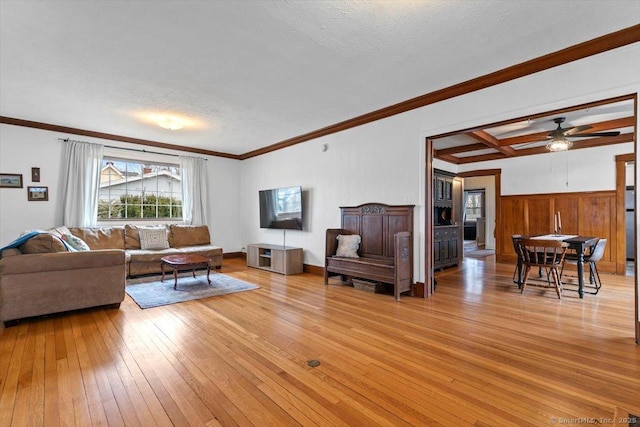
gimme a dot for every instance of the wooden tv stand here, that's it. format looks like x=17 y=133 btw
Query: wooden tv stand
x=275 y=258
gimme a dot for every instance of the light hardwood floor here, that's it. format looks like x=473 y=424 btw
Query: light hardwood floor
x=476 y=353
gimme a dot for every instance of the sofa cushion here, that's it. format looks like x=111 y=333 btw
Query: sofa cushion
x=188 y=235
x=131 y=237
x=43 y=243
x=143 y=255
x=101 y=238
x=153 y=238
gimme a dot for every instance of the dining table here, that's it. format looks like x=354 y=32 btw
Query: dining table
x=577 y=243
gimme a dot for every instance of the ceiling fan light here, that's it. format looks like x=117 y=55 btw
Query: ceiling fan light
x=559 y=144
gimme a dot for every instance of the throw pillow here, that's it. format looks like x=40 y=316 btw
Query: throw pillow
x=59 y=231
x=348 y=245
x=153 y=238
x=75 y=242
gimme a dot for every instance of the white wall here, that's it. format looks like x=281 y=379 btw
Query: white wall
x=22 y=148
x=346 y=174
x=384 y=161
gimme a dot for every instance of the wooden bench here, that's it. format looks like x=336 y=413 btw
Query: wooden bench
x=386 y=247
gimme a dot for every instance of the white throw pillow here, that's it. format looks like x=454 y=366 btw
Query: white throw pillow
x=75 y=242
x=348 y=245
x=153 y=238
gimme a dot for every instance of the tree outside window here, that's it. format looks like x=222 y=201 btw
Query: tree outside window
x=131 y=189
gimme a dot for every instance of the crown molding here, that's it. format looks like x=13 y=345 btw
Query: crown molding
x=112 y=137
x=583 y=50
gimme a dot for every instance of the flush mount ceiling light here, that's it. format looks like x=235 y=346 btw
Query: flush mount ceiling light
x=170 y=123
x=169 y=120
x=559 y=143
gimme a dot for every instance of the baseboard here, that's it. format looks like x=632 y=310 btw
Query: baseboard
x=313 y=269
x=234 y=255
x=418 y=289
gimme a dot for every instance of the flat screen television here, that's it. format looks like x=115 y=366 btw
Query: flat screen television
x=281 y=208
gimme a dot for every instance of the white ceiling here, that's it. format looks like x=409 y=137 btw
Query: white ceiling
x=248 y=74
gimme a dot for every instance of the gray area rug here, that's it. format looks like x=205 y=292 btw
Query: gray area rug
x=151 y=292
x=479 y=253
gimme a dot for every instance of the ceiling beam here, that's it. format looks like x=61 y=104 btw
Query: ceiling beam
x=585 y=143
x=460 y=149
x=447 y=158
x=491 y=142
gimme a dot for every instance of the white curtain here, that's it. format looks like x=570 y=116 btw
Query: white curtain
x=193 y=172
x=81 y=164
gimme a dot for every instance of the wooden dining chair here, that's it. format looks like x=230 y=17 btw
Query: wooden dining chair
x=543 y=254
x=590 y=259
x=515 y=238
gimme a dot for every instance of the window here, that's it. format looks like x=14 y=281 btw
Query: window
x=131 y=189
x=473 y=205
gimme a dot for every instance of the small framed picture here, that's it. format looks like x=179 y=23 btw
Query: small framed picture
x=38 y=194
x=10 y=180
x=35 y=174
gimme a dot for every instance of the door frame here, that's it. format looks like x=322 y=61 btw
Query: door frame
x=621 y=238
x=429 y=285
x=497 y=176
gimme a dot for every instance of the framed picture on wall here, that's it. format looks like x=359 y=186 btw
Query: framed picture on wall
x=38 y=194
x=10 y=180
x=35 y=174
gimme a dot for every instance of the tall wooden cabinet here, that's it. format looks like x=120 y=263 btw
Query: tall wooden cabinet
x=447 y=211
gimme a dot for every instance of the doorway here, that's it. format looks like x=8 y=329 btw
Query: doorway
x=630 y=215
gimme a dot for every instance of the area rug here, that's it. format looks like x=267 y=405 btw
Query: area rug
x=479 y=253
x=151 y=292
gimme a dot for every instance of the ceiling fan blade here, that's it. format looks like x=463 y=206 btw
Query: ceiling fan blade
x=587 y=135
x=576 y=129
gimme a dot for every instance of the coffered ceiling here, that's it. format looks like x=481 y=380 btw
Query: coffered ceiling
x=245 y=75
x=530 y=135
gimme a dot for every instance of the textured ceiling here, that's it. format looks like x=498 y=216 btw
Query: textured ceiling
x=248 y=74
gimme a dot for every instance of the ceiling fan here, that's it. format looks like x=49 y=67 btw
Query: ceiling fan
x=559 y=136
x=574 y=132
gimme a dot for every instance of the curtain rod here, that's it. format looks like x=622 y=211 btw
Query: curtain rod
x=140 y=150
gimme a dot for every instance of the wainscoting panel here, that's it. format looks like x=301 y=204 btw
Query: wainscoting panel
x=585 y=214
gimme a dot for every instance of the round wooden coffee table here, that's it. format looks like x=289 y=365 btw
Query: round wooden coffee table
x=184 y=262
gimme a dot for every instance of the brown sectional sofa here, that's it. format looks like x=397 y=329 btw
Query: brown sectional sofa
x=182 y=239
x=42 y=277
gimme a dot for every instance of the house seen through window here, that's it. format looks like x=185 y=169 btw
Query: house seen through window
x=131 y=189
